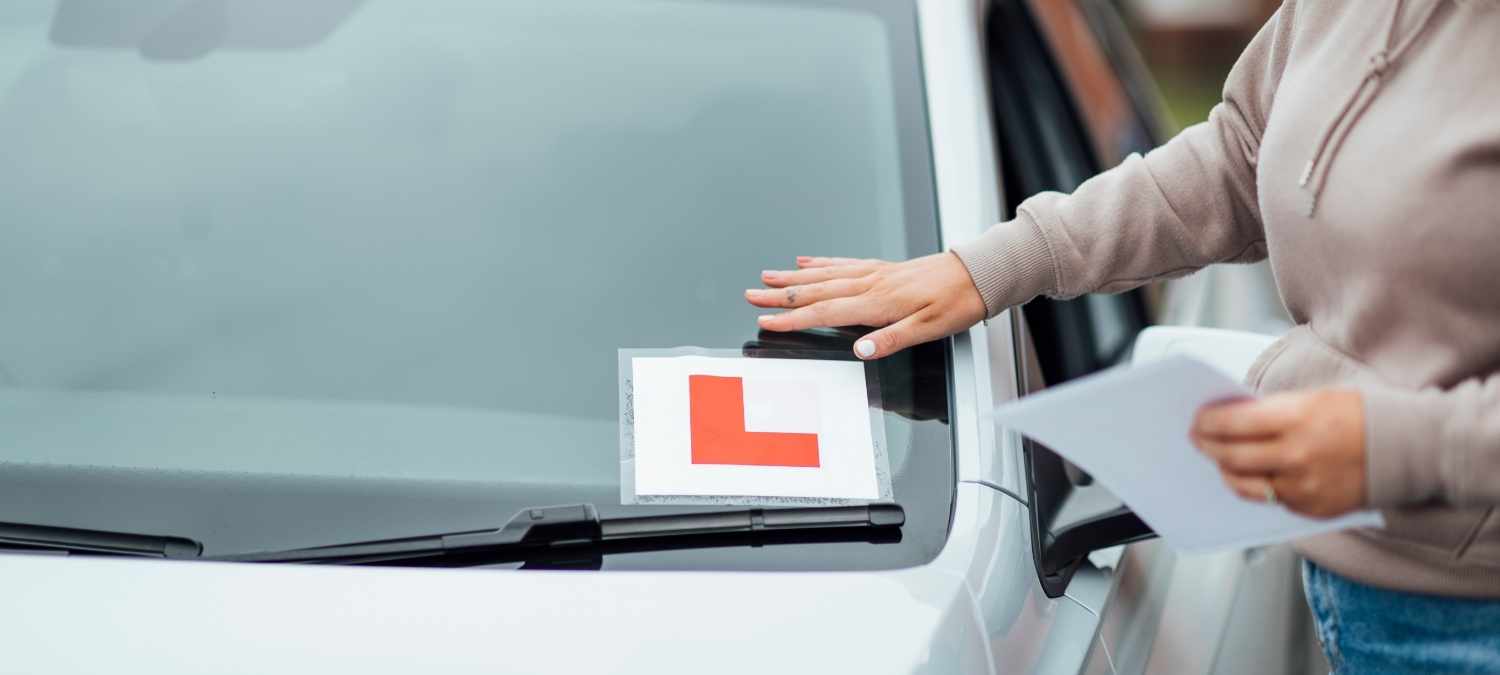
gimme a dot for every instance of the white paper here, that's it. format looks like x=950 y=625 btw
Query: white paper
x=828 y=398
x=1128 y=427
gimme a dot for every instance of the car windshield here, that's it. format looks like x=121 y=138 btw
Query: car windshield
x=281 y=273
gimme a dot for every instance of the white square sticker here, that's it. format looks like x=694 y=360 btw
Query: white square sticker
x=753 y=427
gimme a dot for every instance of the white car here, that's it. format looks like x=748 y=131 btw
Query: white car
x=280 y=274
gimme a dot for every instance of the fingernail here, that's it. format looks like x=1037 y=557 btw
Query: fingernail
x=768 y=273
x=865 y=348
x=752 y=292
x=764 y=318
x=803 y=258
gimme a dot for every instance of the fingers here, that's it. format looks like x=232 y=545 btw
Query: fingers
x=1253 y=457
x=1303 y=495
x=1247 y=419
x=835 y=312
x=801 y=296
x=805 y=262
x=782 y=279
x=915 y=329
x=916 y=300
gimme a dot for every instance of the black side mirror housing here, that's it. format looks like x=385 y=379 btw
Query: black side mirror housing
x=1071 y=516
x=1070 y=520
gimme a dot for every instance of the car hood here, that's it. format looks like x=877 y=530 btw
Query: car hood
x=70 y=615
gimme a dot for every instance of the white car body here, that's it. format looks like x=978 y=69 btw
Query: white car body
x=976 y=608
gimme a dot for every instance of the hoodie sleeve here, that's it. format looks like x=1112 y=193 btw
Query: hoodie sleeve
x=1433 y=445
x=1185 y=205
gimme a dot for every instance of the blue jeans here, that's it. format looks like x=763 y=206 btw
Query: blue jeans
x=1372 y=630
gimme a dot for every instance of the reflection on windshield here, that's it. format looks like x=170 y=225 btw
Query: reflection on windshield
x=176 y=30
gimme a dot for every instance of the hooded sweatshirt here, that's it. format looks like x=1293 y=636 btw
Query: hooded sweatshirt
x=1358 y=147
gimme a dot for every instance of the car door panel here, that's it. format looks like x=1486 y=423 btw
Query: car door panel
x=1027 y=631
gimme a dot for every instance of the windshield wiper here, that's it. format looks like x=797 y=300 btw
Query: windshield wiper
x=73 y=540
x=555 y=536
x=561 y=532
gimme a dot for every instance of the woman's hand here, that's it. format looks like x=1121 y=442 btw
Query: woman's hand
x=915 y=301
x=1308 y=446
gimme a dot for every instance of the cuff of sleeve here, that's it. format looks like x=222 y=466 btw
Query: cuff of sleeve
x=1010 y=263
x=1404 y=447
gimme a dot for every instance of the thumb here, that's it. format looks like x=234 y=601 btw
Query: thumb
x=914 y=329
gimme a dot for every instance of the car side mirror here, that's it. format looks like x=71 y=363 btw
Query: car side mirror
x=1072 y=517
x=1070 y=520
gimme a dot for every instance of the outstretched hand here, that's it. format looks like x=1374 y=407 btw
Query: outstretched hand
x=911 y=302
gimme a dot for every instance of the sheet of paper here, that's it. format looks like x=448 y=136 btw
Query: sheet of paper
x=1128 y=427
x=753 y=427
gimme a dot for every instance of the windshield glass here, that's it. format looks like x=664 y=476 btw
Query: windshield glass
x=279 y=273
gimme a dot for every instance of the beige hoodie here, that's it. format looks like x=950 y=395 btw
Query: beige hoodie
x=1358 y=146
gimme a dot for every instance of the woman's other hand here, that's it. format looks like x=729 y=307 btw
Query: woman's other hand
x=1309 y=446
x=913 y=301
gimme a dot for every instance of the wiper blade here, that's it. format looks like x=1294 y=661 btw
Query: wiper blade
x=555 y=530
x=75 y=540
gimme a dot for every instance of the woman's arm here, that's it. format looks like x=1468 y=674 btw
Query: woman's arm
x=1187 y=204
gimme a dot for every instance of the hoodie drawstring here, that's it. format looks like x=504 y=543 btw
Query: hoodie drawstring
x=1315 y=173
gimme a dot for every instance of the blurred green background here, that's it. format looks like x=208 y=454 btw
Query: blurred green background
x=1190 y=45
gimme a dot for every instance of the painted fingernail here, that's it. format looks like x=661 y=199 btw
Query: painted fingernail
x=865 y=348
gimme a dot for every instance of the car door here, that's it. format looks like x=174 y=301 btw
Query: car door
x=1231 y=629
